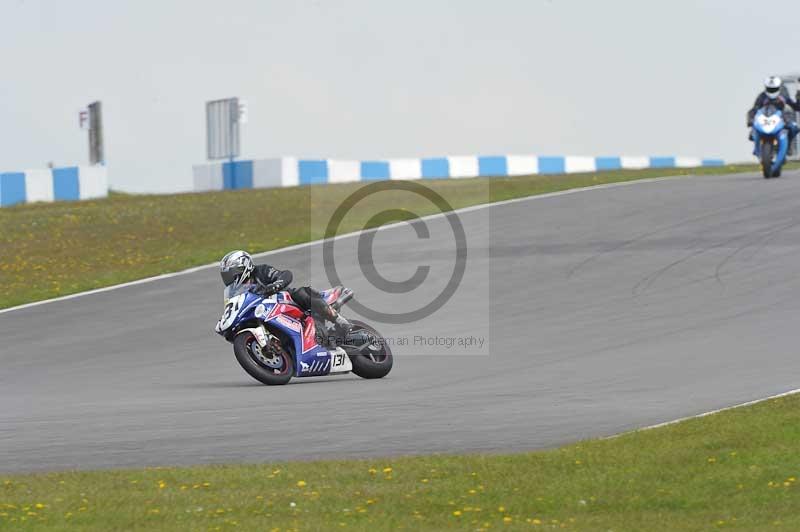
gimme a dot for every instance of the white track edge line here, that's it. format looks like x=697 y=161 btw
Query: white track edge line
x=348 y=235
x=705 y=414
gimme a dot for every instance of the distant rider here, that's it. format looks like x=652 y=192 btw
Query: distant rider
x=237 y=268
x=777 y=94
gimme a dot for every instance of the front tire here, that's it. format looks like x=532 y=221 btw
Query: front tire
x=377 y=361
x=767 y=154
x=271 y=365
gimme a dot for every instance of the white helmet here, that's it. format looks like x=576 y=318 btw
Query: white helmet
x=772 y=86
x=235 y=267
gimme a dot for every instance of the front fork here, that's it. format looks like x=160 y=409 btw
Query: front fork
x=262 y=337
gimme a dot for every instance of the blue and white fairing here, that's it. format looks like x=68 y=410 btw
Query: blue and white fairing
x=769 y=123
x=311 y=359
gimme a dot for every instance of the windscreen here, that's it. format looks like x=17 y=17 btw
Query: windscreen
x=234 y=290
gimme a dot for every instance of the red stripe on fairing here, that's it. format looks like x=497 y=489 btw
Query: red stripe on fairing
x=286 y=310
x=332 y=295
x=309 y=334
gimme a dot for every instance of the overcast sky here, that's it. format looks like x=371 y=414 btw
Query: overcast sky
x=368 y=79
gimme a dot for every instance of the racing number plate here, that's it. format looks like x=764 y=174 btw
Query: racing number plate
x=340 y=362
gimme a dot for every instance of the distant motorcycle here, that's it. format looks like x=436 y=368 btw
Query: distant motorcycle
x=771 y=138
x=274 y=339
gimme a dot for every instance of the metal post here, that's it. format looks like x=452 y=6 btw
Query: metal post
x=96 y=148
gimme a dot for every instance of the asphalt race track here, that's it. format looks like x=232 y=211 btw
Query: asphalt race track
x=602 y=311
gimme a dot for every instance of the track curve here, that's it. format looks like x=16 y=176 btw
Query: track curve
x=604 y=310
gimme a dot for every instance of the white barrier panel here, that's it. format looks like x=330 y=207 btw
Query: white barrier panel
x=405 y=168
x=575 y=165
x=343 y=171
x=461 y=166
x=522 y=164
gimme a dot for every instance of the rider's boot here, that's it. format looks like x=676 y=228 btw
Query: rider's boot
x=343 y=326
x=329 y=313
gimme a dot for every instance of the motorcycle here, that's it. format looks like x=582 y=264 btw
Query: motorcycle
x=771 y=138
x=274 y=339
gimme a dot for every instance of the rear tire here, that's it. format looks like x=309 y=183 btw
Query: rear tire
x=247 y=350
x=378 y=363
x=767 y=154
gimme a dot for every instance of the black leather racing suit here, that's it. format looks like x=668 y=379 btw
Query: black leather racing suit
x=274 y=280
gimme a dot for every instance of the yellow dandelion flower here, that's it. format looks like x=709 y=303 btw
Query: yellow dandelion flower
x=387 y=470
x=457 y=513
x=711 y=460
x=372 y=470
x=507 y=519
x=301 y=483
x=40 y=505
x=424 y=480
x=501 y=509
x=537 y=522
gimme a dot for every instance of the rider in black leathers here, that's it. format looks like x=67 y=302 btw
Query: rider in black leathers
x=775 y=93
x=238 y=267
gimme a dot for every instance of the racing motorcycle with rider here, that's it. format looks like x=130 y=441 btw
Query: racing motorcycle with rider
x=279 y=332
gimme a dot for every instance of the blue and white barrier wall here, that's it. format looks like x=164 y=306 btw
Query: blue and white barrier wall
x=291 y=171
x=53 y=184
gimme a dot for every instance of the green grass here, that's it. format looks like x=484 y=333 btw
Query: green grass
x=50 y=250
x=736 y=470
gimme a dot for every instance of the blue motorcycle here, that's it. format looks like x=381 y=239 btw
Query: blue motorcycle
x=274 y=339
x=771 y=138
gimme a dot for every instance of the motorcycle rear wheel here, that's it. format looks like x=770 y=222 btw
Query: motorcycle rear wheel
x=269 y=365
x=376 y=363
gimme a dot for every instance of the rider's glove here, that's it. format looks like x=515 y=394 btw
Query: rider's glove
x=271 y=288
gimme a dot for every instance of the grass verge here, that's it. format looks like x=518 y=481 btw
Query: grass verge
x=50 y=250
x=736 y=470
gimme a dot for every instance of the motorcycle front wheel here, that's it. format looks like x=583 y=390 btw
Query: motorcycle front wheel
x=271 y=365
x=767 y=155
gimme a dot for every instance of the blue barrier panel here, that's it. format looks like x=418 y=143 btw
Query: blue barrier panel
x=12 y=188
x=437 y=168
x=374 y=170
x=492 y=166
x=227 y=176
x=662 y=162
x=713 y=162
x=608 y=163
x=66 y=184
x=237 y=175
x=312 y=172
x=552 y=165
